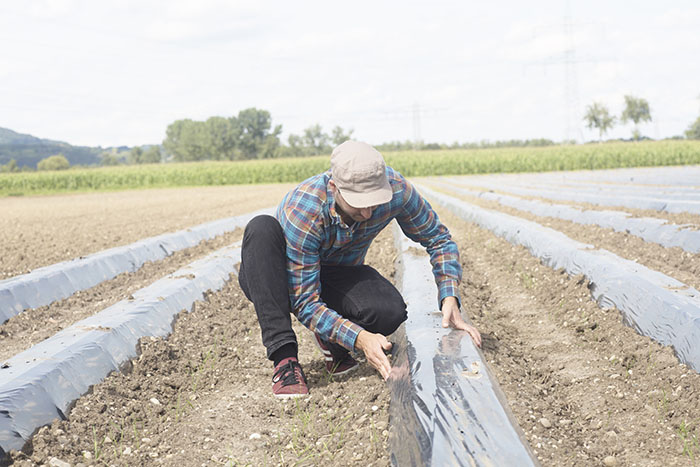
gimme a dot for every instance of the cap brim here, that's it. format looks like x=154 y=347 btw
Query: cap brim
x=365 y=200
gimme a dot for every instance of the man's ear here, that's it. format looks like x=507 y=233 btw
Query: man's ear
x=332 y=186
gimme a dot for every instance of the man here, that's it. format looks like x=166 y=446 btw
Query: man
x=308 y=261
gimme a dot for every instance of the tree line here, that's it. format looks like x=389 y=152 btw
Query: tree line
x=249 y=135
x=252 y=135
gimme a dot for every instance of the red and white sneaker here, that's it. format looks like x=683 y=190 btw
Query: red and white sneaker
x=335 y=365
x=288 y=380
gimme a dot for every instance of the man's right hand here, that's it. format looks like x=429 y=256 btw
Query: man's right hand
x=373 y=345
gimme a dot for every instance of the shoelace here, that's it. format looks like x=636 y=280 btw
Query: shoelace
x=287 y=373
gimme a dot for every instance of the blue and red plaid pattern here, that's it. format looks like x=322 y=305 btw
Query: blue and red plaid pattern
x=317 y=235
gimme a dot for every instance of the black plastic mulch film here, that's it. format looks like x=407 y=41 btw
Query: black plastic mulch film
x=446 y=408
x=654 y=304
x=48 y=284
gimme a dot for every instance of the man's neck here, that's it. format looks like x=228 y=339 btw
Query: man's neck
x=343 y=215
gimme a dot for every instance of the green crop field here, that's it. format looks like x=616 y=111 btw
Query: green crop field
x=410 y=163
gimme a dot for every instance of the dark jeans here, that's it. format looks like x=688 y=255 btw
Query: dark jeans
x=358 y=293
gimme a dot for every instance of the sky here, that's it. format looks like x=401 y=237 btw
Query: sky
x=110 y=73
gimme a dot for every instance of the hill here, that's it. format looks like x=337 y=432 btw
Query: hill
x=27 y=150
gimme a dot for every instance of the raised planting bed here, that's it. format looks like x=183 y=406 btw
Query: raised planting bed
x=446 y=406
x=650 y=229
x=40 y=384
x=656 y=305
x=48 y=284
x=638 y=200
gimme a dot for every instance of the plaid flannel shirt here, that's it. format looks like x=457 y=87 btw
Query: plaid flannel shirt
x=317 y=235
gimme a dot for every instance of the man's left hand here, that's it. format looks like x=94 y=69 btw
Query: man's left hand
x=452 y=317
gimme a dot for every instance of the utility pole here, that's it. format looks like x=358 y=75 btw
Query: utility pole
x=573 y=121
x=569 y=58
x=416 y=125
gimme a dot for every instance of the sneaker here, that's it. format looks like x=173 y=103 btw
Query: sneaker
x=338 y=365
x=289 y=380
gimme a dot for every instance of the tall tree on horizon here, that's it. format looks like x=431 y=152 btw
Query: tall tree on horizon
x=598 y=116
x=636 y=110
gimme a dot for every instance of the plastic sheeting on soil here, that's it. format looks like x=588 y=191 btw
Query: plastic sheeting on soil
x=39 y=384
x=48 y=284
x=654 y=304
x=636 y=201
x=446 y=408
x=650 y=229
x=687 y=175
x=613 y=190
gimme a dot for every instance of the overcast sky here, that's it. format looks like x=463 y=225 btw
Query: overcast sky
x=118 y=72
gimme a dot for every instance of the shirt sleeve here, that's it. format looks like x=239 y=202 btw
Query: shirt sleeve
x=304 y=269
x=421 y=224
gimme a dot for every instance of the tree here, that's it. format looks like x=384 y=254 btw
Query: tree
x=693 y=131
x=598 y=116
x=637 y=110
x=55 y=162
x=315 y=140
x=223 y=134
x=10 y=167
x=135 y=155
x=151 y=155
x=338 y=136
x=108 y=158
x=256 y=140
x=295 y=146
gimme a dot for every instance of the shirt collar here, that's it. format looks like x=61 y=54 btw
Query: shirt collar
x=335 y=217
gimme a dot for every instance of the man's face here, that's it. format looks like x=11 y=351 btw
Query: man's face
x=348 y=212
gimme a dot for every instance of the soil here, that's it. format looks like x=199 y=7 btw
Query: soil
x=42 y=230
x=584 y=387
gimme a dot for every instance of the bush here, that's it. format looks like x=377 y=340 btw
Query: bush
x=57 y=162
x=693 y=131
x=10 y=167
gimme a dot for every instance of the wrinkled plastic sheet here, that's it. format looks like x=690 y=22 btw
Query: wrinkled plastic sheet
x=650 y=229
x=656 y=305
x=40 y=384
x=639 y=200
x=612 y=190
x=688 y=175
x=446 y=407
x=48 y=284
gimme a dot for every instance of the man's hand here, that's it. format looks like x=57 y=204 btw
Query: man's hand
x=451 y=317
x=374 y=345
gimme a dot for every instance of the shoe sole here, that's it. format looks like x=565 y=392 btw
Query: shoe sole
x=290 y=396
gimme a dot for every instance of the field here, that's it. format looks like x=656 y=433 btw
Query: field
x=412 y=164
x=584 y=387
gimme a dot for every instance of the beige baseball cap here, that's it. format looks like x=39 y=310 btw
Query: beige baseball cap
x=359 y=172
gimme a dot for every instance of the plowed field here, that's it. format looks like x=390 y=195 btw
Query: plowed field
x=584 y=387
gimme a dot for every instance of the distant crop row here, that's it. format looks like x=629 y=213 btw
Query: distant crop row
x=410 y=163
